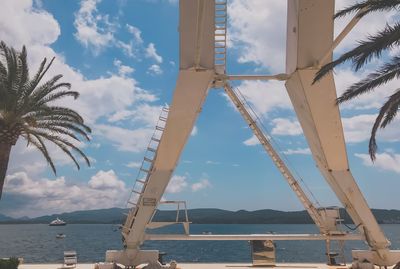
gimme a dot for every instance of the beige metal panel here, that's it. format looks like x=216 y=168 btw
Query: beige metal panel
x=371 y=228
x=196 y=29
x=310 y=36
x=309 y=32
x=319 y=117
x=247 y=237
x=189 y=95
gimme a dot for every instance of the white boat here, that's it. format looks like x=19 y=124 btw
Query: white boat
x=57 y=222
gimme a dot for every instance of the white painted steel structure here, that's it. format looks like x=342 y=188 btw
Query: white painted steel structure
x=202 y=28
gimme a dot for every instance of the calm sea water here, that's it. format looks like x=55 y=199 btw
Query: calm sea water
x=38 y=243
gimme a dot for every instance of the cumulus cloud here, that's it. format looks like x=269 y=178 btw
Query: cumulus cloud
x=154 y=69
x=302 y=151
x=385 y=161
x=194 y=131
x=202 y=184
x=123 y=70
x=252 y=141
x=265 y=96
x=177 y=184
x=151 y=53
x=125 y=139
x=133 y=164
x=358 y=129
x=16 y=16
x=250 y=18
x=43 y=195
x=92 y=28
x=284 y=126
x=137 y=34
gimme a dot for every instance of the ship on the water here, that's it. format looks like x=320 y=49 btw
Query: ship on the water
x=57 y=222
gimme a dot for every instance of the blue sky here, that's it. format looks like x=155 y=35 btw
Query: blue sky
x=122 y=57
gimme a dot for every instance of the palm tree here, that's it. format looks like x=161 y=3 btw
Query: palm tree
x=26 y=110
x=372 y=47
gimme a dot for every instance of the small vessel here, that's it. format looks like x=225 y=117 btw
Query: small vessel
x=57 y=222
x=60 y=236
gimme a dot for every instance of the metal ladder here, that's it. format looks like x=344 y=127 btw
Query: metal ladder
x=135 y=198
x=220 y=36
x=293 y=183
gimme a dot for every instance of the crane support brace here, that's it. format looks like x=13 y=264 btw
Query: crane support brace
x=316 y=109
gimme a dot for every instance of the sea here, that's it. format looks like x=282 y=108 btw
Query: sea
x=37 y=243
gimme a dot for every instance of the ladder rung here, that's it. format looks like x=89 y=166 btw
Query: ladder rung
x=161 y=118
x=220 y=53
x=165 y=109
x=220 y=15
x=141 y=181
x=148 y=159
x=151 y=149
x=144 y=170
x=155 y=139
x=218 y=34
x=158 y=128
x=132 y=203
x=137 y=192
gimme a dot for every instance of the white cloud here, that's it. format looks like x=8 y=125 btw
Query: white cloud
x=177 y=184
x=123 y=70
x=202 y=184
x=250 y=18
x=44 y=196
x=133 y=164
x=125 y=139
x=106 y=180
x=151 y=52
x=194 y=131
x=303 y=151
x=144 y=114
x=283 y=126
x=252 y=141
x=93 y=29
x=154 y=69
x=358 y=129
x=137 y=34
x=23 y=25
x=265 y=96
x=385 y=161
x=212 y=162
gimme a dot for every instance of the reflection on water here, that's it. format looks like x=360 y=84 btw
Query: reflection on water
x=38 y=242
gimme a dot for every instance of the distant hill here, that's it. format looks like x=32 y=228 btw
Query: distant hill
x=203 y=216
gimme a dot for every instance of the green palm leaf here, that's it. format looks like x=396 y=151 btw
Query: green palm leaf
x=26 y=111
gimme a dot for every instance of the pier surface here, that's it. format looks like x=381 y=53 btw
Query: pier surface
x=200 y=266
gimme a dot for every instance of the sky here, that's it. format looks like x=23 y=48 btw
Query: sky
x=122 y=57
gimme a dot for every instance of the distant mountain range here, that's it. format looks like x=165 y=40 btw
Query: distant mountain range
x=203 y=216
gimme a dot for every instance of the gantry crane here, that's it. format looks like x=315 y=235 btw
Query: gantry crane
x=202 y=28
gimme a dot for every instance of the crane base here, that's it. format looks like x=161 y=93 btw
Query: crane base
x=132 y=257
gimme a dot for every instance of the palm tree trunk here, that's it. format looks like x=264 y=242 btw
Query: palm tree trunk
x=5 y=150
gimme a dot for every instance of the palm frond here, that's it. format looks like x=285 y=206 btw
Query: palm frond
x=389 y=111
x=368 y=6
x=55 y=96
x=41 y=146
x=383 y=75
x=58 y=140
x=366 y=50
